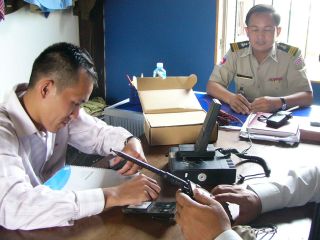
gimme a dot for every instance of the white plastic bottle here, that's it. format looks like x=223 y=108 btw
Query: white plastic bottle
x=160 y=71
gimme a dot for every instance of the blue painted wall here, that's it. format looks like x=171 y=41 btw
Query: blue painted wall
x=316 y=92
x=140 y=33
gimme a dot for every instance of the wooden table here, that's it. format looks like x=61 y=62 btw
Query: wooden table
x=113 y=224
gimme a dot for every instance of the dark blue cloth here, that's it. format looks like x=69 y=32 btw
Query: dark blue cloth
x=205 y=101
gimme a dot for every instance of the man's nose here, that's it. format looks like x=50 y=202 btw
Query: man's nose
x=75 y=112
x=261 y=35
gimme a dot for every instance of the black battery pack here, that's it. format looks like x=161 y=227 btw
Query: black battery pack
x=278 y=119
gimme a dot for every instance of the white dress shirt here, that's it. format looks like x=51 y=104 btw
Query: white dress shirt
x=298 y=188
x=29 y=157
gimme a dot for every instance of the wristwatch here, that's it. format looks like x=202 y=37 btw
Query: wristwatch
x=128 y=139
x=284 y=104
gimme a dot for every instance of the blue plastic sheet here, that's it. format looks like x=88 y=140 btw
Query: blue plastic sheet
x=51 y=5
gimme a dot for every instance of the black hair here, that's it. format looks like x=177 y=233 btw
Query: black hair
x=263 y=8
x=61 y=61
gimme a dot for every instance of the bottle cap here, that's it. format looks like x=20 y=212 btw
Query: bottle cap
x=160 y=65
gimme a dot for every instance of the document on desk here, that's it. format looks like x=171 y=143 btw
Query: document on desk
x=308 y=132
x=76 y=178
x=258 y=130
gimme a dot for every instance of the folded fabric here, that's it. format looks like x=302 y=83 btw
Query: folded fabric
x=51 y=5
x=95 y=106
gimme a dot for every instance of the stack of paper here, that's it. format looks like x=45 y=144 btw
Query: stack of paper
x=81 y=178
x=257 y=129
x=308 y=132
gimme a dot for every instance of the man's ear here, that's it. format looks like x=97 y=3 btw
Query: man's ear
x=246 y=29
x=46 y=87
x=278 y=29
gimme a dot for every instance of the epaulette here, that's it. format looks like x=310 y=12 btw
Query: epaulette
x=239 y=45
x=287 y=48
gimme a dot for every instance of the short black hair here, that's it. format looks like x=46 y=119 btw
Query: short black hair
x=264 y=8
x=62 y=61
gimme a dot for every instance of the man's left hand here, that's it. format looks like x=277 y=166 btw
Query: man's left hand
x=134 y=149
x=266 y=104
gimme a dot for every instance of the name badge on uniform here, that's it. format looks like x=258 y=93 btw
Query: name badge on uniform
x=276 y=79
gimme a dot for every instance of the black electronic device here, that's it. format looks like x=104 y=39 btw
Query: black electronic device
x=203 y=172
x=119 y=165
x=185 y=185
x=200 y=162
x=163 y=210
x=159 y=210
x=278 y=119
x=200 y=149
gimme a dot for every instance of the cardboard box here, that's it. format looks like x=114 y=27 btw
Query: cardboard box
x=172 y=112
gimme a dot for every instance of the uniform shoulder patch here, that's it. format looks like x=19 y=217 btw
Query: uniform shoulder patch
x=287 y=48
x=239 y=45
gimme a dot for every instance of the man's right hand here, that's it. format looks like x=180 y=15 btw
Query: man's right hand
x=239 y=104
x=203 y=218
x=135 y=191
x=249 y=203
x=236 y=101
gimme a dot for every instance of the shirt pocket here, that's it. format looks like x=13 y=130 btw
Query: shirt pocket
x=244 y=81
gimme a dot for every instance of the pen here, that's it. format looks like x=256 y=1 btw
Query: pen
x=241 y=91
x=292 y=109
x=129 y=80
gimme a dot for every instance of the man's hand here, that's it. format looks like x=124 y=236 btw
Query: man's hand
x=249 y=203
x=266 y=104
x=204 y=219
x=134 y=149
x=135 y=191
x=239 y=104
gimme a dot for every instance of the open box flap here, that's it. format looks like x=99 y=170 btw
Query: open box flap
x=168 y=101
x=157 y=83
x=173 y=94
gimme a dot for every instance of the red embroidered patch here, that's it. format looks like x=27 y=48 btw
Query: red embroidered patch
x=298 y=61
x=224 y=59
x=276 y=79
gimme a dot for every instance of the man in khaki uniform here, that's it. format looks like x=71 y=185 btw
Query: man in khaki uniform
x=268 y=76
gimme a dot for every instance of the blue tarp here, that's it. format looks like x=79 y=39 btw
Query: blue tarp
x=51 y=5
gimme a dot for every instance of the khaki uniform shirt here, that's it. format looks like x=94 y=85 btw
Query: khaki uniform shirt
x=282 y=72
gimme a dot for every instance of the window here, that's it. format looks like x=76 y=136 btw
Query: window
x=299 y=20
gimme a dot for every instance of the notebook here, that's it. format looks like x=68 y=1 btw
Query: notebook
x=76 y=178
x=258 y=130
x=260 y=127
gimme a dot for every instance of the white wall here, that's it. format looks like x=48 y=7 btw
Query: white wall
x=23 y=35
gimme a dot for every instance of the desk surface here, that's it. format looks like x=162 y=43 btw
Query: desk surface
x=205 y=101
x=113 y=224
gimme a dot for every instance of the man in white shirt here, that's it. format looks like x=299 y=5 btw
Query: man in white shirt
x=209 y=220
x=37 y=122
